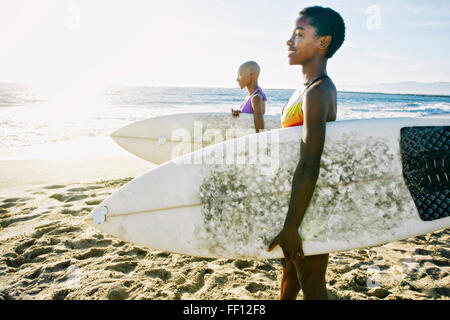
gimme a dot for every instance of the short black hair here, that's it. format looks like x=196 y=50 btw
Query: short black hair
x=327 y=23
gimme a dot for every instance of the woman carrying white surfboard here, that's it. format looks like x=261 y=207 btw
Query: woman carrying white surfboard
x=317 y=33
x=248 y=74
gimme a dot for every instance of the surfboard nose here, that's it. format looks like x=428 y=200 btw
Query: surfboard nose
x=97 y=216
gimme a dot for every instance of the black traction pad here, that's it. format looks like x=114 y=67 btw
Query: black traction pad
x=426 y=169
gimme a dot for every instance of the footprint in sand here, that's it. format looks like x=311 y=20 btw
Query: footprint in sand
x=7 y=222
x=162 y=254
x=54 y=228
x=242 y=264
x=24 y=245
x=87 y=243
x=28 y=255
x=92 y=253
x=59 y=197
x=94 y=187
x=57 y=266
x=8 y=205
x=94 y=202
x=34 y=273
x=444 y=253
x=60 y=294
x=194 y=285
x=117 y=293
x=33 y=253
x=254 y=287
x=46 y=228
x=77 y=197
x=68 y=198
x=265 y=266
x=136 y=252
x=124 y=267
x=56 y=186
x=68 y=211
x=15 y=262
x=65 y=229
x=422 y=252
x=162 y=274
x=13 y=202
x=82 y=211
x=80 y=189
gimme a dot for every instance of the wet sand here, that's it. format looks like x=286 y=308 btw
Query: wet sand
x=48 y=252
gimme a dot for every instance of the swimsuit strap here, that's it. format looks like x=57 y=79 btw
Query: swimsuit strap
x=307 y=87
x=260 y=91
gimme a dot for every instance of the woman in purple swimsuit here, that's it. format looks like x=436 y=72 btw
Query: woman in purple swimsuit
x=248 y=74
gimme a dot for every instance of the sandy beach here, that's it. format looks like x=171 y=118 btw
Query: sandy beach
x=74 y=73
x=48 y=252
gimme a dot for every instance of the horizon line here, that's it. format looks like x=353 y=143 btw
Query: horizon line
x=267 y=88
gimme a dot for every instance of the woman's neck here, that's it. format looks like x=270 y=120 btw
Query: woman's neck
x=314 y=70
x=252 y=87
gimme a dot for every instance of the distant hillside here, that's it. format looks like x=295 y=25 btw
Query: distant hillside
x=407 y=87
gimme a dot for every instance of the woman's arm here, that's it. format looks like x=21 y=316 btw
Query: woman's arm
x=315 y=108
x=258 y=116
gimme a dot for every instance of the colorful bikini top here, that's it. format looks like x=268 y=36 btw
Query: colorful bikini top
x=246 y=106
x=292 y=114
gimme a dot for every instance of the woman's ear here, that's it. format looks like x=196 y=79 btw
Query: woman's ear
x=325 y=42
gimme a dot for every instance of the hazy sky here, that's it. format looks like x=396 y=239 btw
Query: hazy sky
x=91 y=43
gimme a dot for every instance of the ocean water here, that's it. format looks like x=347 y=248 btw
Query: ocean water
x=28 y=118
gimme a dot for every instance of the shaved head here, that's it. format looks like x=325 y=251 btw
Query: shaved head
x=250 y=67
x=248 y=75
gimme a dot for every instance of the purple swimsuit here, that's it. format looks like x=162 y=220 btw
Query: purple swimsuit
x=246 y=106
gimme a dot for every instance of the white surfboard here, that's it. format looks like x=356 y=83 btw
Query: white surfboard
x=161 y=139
x=380 y=180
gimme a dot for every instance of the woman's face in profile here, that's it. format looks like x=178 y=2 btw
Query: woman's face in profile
x=242 y=78
x=303 y=43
